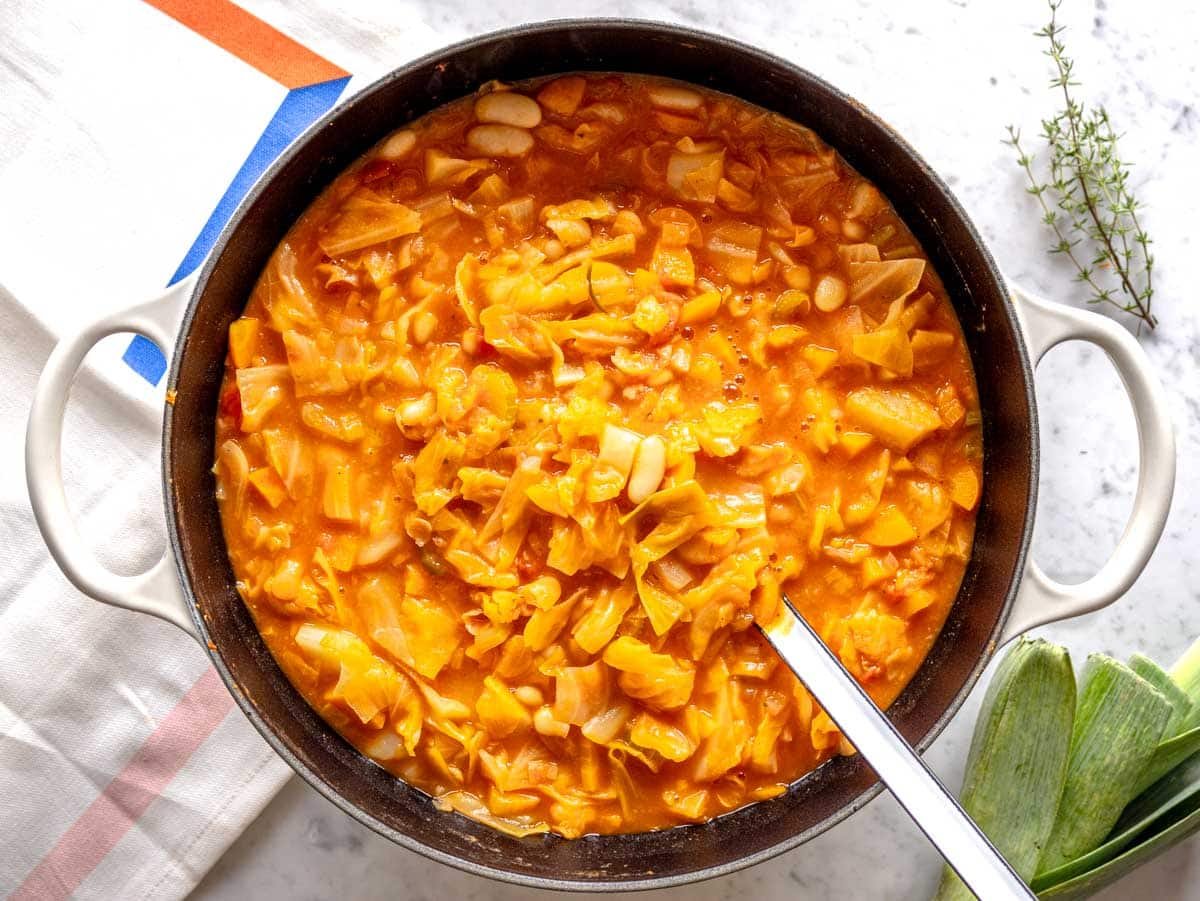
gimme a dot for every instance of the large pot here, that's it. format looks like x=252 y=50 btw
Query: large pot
x=1002 y=594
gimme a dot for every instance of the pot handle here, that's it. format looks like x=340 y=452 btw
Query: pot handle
x=157 y=590
x=1042 y=599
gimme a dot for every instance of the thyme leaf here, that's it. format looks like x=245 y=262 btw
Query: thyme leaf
x=1086 y=200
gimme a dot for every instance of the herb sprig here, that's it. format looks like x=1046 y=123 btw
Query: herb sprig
x=1087 y=202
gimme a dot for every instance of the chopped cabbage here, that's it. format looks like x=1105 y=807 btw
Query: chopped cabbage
x=425 y=638
x=363 y=222
x=261 y=389
x=659 y=680
x=895 y=416
x=886 y=281
x=499 y=711
x=580 y=693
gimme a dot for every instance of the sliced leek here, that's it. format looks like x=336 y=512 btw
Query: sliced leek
x=1186 y=674
x=1161 y=679
x=1018 y=759
x=1168 y=755
x=1180 y=791
x=1119 y=722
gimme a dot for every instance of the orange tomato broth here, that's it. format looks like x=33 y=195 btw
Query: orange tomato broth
x=538 y=408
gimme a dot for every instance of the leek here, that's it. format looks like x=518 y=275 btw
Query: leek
x=1092 y=881
x=1131 y=782
x=1018 y=759
x=1186 y=674
x=1119 y=722
x=1168 y=755
x=1158 y=677
x=1178 y=791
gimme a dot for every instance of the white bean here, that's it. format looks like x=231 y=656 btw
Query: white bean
x=398 y=145
x=830 y=293
x=423 y=326
x=508 y=108
x=529 y=695
x=649 y=467
x=680 y=100
x=545 y=723
x=571 y=232
x=416 y=411
x=854 y=230
x=499 y=140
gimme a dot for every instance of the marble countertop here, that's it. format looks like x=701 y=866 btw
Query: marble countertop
x=949 y=75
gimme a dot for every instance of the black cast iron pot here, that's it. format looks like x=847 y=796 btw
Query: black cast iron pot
x=193 y=585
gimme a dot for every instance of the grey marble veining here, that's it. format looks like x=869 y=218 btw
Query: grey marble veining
x=949 y=75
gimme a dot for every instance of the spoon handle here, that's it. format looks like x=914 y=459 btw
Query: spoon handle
x=920 y=793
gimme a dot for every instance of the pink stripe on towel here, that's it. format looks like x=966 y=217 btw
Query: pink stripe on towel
x=106 y=820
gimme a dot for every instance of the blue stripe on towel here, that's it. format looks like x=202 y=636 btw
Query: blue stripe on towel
x=300 y=108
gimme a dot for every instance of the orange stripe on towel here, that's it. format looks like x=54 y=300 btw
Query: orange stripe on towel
x=251 y=40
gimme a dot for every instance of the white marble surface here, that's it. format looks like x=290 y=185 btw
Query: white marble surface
x=949 y=75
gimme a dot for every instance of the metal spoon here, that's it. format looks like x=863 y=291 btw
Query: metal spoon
x=920 y=793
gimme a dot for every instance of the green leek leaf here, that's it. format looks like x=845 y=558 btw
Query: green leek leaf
x=1161 y=679
x=1118 y=724
x=1168 y=755
x=1169 y=800
x=1092 y=881
x=1018 y=757
x=1186 y=674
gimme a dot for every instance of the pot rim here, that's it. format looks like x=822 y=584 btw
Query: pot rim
x=265 y=183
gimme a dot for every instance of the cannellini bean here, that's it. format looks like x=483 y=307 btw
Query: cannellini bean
x=417 y=410
x=398 y=145
x=571 y=232
x=285 y=583
x=418 y=528
x=529 y=695
x=830 y=293
x=798 y=277
x=499 y=140
x=423 y=325
x=649 y=467
x=545 y=723
x=508 y=108
x=384 y=746
x=670 y=97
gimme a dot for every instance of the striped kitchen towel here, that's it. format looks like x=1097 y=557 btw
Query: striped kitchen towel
x=129 y=131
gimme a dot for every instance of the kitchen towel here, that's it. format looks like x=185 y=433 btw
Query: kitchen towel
x=129 y=131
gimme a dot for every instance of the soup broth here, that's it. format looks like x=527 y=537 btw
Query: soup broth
x=540 y=407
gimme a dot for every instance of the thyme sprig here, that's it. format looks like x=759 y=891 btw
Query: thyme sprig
x=1087 y=202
